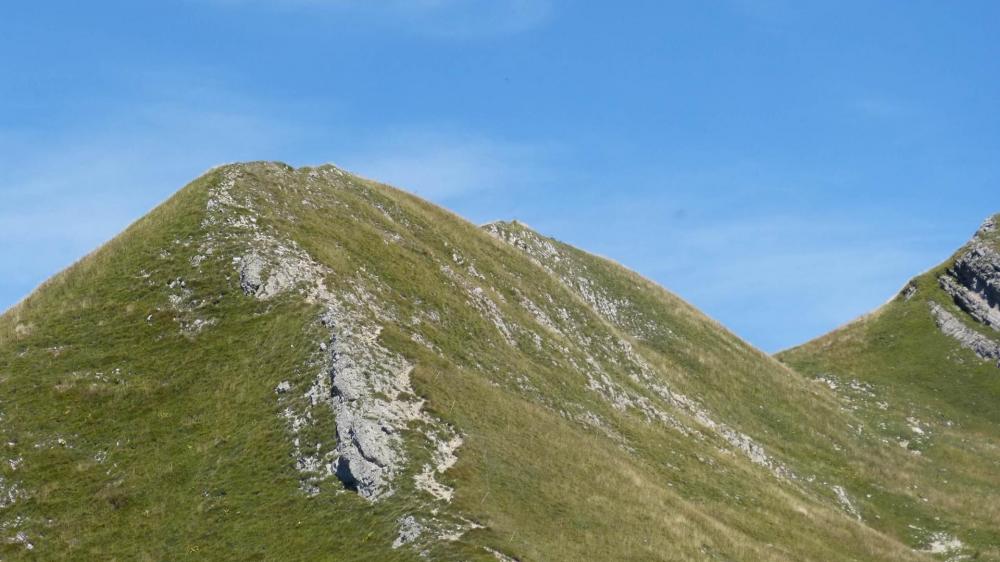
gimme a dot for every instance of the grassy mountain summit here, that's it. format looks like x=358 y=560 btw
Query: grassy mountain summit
x=301 y=364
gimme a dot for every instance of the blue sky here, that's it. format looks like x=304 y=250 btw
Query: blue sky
x=783 y=165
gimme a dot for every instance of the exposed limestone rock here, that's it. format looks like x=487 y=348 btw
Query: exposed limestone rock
x=973 y=281
x=251 y=273
x=972 y=301
x=547 y=256
x=370 y=389
x=418 y=532
x=409 y=530
x=538 y=248
x=10 y=492
x=736 y=439
x=644 y=373
x=443 y=459
x=610 y=308
x=316 y=461
x=265 y=278
x=540 y=316
x=21 y=538
x=186 y=306
x=366 y=385
x=754 y=451
x=968 y=338
x=620 y=313
x=943 y=543
x=481 y=300
x=845 y=501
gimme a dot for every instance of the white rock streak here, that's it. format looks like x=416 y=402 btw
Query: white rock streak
x=366 y=385
x=614 y=310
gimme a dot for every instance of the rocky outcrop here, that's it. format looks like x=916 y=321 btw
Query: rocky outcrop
x=908 y=292
x=616 y=310
x=845 y=502
x=975 y=303
x=409 y=531
x=968 y=338
x=381 y=427
x=251 y=274
x=973 y=281
x=366 y=385
x=369 y=383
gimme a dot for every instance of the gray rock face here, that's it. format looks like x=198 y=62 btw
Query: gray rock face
x=370 y=386
x=983 y=346
x=975 y=303
x=974 y=280
x=409 y=530
x=251 y=274
x=366 y=385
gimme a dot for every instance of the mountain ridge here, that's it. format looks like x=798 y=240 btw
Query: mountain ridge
x=324 y=348
x=933 y=345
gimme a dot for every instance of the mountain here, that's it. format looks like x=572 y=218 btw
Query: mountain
x=302 y=364
x=924 y=370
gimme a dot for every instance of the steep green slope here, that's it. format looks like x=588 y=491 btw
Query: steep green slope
x=302 y=364
x=922 y=372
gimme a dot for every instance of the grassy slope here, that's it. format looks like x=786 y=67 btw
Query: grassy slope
x=187 y=428
x=919 y=373
x=174 y=447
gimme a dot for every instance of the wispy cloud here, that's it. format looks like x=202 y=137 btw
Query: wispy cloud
x=84 y=186
x=444 y=166
x=63 y=195
x=766 y=260
x=782 y=278
x=443 y=18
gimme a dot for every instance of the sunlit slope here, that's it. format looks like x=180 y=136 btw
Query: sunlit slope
x=302 y=364
x=922 y=373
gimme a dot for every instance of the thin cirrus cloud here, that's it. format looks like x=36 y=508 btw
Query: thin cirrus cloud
x=88 y=184
x=59 y=203
x=445 y=167
x=443 y=18
x=781 y=277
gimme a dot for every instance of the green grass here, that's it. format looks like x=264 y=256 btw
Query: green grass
x=921 y=373
x=198 y=459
